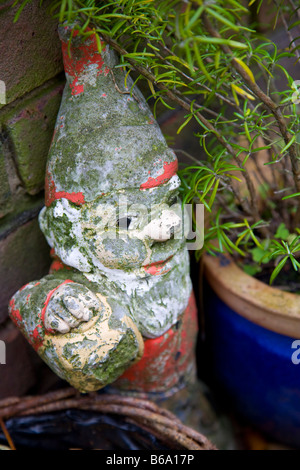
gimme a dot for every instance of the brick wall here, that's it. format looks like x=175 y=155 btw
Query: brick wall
x=32 y=71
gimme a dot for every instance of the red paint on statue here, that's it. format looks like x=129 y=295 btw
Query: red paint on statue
x=168 y=359
x=35 y=339
x=23 y=287
x=76 y=89
x=76 y=59
x=170 y=169
x=57 y=265
x=156 y=268
x=51 y=194
x=15 y=313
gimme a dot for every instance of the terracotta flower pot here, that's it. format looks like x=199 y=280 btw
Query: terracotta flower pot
x=251 y=338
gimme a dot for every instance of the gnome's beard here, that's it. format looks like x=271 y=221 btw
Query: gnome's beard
x=155 y=299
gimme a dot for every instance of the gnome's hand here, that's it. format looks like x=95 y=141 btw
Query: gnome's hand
x=70 y=305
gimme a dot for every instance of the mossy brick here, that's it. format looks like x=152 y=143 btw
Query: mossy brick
x=30 y=48
x=24 y=256
x=5 y=193
x=30 y=127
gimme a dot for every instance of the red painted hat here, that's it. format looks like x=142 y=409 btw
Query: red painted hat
x=106 y=137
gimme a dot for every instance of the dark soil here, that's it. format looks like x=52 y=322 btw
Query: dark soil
x=288 y=279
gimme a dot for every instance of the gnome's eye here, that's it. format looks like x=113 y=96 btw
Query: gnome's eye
x=123 y=222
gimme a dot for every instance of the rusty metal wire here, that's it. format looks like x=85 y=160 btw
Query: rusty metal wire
x=143 y=413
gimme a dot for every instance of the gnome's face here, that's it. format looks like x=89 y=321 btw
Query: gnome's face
x=133 y=229
x=128 y=230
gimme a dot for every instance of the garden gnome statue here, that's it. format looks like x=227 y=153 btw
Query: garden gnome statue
x=117 y=306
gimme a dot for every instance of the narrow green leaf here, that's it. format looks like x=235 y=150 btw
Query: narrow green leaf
x=184 y=124
x=238 y=5
x=222 y=19
x=291 y=195
x=288 y=144
x=226 y=42
x=213 y=194
x=200 y=63
x=278 y=268
x=195 y=17
x=20 y=9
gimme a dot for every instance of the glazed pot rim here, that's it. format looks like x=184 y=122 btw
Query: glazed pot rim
x=267 y=306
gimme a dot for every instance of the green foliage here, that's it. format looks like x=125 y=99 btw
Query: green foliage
x=210 y=58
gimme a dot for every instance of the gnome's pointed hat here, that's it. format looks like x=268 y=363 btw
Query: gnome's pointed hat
x=105 y=137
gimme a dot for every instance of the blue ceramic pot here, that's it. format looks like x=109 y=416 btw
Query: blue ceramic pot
x=256 y=366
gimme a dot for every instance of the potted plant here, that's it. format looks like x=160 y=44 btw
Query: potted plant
x=218 y=62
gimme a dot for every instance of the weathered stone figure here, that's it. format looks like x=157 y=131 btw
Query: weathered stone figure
x=117 y=306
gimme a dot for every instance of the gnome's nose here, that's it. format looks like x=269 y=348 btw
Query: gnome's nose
x=164 y=227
